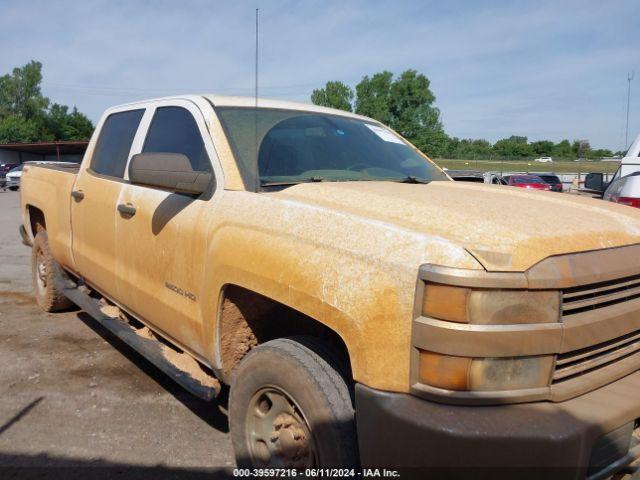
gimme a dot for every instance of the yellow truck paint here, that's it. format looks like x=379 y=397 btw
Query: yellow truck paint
x=346 y=254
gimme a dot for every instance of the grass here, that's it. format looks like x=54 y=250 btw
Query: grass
x=528 y=166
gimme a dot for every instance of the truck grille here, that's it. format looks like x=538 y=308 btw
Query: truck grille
x=599 y=295
x=578 y=362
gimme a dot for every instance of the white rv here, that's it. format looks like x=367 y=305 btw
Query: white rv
x=625 y=186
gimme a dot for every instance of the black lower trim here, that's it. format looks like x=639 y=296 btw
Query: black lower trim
x=543 y=438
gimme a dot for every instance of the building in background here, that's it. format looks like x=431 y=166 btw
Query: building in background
x=13 y=155
x=17 y=153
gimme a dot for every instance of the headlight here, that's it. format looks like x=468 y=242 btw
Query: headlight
x=484 y=374
x=489 y=306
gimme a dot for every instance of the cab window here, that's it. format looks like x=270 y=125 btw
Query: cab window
x=174 y=130
x=114 y=143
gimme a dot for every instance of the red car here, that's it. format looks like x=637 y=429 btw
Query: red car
x=527 y=181
x=554 y=182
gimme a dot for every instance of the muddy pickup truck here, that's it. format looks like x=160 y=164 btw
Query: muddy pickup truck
x=363 y=308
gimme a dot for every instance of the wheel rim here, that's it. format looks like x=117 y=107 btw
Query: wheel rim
x=278 y=432
x=41 y=271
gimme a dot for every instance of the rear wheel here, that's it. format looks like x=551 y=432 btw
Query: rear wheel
x=290 y=407
x=44 y=269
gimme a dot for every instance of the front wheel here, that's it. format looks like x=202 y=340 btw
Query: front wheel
x=289 y=407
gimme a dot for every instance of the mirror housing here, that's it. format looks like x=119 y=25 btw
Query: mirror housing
x=171 y=171
x=594 y=181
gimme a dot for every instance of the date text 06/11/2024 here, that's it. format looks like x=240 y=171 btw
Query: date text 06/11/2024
x=315 y=473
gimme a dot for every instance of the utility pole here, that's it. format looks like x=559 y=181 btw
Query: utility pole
x=626 y=135
x=256 y=91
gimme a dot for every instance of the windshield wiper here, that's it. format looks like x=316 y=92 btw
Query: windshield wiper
x=413 y=179
x=291 y=182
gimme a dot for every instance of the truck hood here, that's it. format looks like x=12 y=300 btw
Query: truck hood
x=504 y=228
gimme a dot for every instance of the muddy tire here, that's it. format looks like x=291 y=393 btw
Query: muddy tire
x=290 y=407
x=43 y=270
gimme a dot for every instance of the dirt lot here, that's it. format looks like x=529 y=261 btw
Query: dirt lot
x=75 y=398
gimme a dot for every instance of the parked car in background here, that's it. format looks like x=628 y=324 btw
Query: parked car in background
x=544 y=160
x=6 y=167
x=466 y=176
x=494 y=178
x=624 y=188
x=476 y=176
x=526 y=181
x=626 y=191
x=13 y=177
x=554 y=182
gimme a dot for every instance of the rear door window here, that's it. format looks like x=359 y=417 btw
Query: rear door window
x=114 y=143
x=174 y=130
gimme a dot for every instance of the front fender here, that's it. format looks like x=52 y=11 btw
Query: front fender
x=356 y=277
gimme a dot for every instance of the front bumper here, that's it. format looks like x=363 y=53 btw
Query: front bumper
x=589 y=436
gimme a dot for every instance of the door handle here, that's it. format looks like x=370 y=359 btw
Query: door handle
x=127 y=209
x=77 y=194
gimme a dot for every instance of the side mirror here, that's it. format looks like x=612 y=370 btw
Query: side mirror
x=171 y=171
x=594 y=181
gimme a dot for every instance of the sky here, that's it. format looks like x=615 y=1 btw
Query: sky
x=541 y=69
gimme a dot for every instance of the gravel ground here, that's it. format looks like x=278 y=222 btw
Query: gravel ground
x=73 y=398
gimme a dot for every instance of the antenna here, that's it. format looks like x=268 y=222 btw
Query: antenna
x=255 y=113
x=257 y=11
x=626 y=135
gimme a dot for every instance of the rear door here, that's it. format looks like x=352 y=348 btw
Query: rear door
x=162 y=246
x=95 y=195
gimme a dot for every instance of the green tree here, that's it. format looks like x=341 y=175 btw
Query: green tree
x=62 y=125
x=513 y=147
x=542 y=148
x=27 y=116
x=452 y=148
x=581 y=148
x=373 y=97
x=335 y=94
x=15 y=128
x=406 y=104
x=601 y=152
x=472 y=149
x=414 y=115
x=563 y=150
x=20 y=92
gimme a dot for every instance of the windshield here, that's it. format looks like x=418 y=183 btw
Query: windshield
x=523 y=180
x=298 y=146
x=550 y=178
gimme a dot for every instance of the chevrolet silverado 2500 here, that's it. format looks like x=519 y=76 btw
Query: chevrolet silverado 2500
x=363 y=308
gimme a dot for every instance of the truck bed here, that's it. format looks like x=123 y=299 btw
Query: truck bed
x=66 y=167
x=47 y=188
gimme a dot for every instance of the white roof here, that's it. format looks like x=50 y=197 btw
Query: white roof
x=633 y=153
x=238 y=101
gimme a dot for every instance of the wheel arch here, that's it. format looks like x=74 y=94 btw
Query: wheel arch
x=247 y=319
x=36 y=219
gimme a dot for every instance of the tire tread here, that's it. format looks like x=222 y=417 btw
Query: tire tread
x=322 y=366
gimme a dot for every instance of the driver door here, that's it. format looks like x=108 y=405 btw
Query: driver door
x=162 y=246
